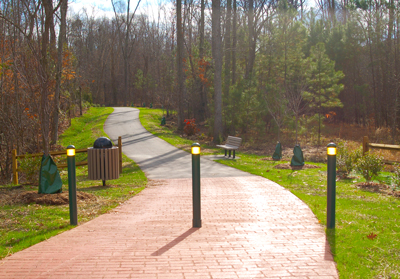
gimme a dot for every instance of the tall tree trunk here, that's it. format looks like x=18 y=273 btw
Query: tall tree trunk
x=331 y=11
x=234 y=41
x=217 y=59
x=126 y=54
x=179 y=64
x=114 y=90
x=61 y=40
x=124 y=40
x=252 y=44
x=203 y=95
x=391 y=82
x=44 y=77
x=228 y=48
x=227 y=53
x=377 y=114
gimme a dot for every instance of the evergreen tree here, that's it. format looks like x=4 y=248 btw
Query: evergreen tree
x=322 y=80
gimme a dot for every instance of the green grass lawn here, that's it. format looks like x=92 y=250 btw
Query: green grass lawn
x=151 y=121
x=24 y=225
x=359 y=213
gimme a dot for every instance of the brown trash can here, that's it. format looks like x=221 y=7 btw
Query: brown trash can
x=103 y=163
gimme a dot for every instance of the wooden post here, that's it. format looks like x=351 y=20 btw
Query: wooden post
x=14 y=166
x=120 y=153
x=365 y=145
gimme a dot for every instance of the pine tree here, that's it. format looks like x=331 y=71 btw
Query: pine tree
x=322 y=80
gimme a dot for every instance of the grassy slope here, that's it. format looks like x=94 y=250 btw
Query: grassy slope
x=151 y=120
x=358 y=212
x=25 y=225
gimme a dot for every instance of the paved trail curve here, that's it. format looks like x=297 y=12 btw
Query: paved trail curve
x=252 y=227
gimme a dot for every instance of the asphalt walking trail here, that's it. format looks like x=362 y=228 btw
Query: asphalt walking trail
x=251 y=227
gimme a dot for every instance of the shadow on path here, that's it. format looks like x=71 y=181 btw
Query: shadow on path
x=174 y=242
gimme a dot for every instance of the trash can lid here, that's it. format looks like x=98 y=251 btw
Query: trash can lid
x=102 y=142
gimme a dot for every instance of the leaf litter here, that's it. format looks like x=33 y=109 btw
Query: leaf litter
x=17 y=195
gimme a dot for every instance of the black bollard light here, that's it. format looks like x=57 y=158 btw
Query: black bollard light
x=331 y=192
x=73 y=208
x=196 y=185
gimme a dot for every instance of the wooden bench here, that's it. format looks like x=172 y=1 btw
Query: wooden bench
x=232 y=143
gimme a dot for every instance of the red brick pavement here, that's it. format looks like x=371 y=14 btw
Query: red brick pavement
x=252 y=228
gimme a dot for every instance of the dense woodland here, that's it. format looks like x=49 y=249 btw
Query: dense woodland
x=255 y=66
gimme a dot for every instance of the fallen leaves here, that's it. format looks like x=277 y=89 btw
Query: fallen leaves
x=372 y=236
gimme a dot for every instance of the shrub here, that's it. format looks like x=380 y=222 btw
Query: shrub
x=369 y=166
x=347 y=159
x=190 y=127
x=396 y=177
x=30 y=166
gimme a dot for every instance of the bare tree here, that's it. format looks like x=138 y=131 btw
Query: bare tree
x=228 y=50
x=179 y=64
x=125 y=29
x=61 y=41
x=202 y=89
x=217 y=59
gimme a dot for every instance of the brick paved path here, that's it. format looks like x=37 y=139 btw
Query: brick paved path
x=252 y=228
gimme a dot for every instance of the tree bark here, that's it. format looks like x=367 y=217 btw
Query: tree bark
x=179 y=64
x=202 y=91
x=234 y=41
x=252 y=42
x=44 y=77
x=61 y=40
x=227 y=48
x=217 y=59
x=126 y=49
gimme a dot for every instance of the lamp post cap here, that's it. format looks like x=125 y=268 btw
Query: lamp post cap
x=331 y=144
x=70 y=147
x=195 y=148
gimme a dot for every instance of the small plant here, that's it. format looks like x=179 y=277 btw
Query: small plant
x=369 y=166
x=396 y=177
x=202 y=136
x=347 y=159
x=190 y=127
x=30 y=166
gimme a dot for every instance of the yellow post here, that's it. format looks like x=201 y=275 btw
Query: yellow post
x=120 y=153
x=365 y=145
x=14 y=166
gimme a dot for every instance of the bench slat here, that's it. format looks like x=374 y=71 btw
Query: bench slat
x=228 y=146
x=233 y=141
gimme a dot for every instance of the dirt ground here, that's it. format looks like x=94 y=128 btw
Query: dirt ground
x=18 y=195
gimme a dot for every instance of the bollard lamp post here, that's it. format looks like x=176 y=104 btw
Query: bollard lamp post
x=331 y=192
x=196 y=185
x=73 y=208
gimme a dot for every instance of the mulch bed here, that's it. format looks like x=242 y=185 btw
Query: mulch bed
x=19 y=196
x=54 y=199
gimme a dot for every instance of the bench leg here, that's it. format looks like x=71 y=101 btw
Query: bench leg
x=225 y=152
x=229 y=153
x=233 y=154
